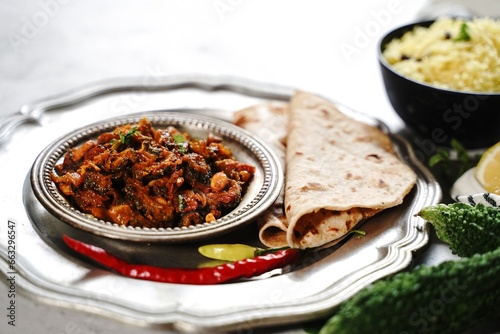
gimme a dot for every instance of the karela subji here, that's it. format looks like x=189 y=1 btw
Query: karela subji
x=448 y=298
x=467 y=229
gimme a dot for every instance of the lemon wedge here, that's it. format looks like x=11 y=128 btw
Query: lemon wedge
x=487 y=171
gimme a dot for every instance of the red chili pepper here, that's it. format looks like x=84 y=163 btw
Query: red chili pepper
x=212 y=275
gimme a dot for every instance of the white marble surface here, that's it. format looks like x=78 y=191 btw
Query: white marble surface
x=328 y=47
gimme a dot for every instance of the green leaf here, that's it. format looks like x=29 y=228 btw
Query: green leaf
x=180 y=140
x=125 y=138
x=463 y=35
x=439 y=157
x=462 y=155
x=449 y=164
x=181 y=202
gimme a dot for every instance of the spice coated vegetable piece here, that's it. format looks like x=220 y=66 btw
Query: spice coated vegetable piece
x=201 y=276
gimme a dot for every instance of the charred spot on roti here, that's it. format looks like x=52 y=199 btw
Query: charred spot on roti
x=324 y=112
x=382 y=184
x=350 y=176
x=349 y=224
x=299 y=153
x=313 y=186
x=316 y=186
x=374 y=157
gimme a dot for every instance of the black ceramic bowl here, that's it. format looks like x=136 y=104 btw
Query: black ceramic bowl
x=438 y=114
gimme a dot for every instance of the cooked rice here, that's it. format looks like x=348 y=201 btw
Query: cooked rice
x=433 y=55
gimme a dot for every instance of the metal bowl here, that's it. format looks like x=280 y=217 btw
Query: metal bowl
x=261 y=193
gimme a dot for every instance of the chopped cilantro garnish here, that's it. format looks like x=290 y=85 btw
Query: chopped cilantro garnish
x=448 y=164
x=124 y=138
x=180 y=140
x=443 y=156
x=463 y=35
x=181 y=202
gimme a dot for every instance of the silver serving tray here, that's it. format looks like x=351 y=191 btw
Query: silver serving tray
x=47 y=271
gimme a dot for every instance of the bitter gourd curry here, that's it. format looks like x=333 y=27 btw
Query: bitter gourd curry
x=140 y=176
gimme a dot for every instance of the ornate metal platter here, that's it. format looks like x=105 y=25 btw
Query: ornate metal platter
x=49 y=272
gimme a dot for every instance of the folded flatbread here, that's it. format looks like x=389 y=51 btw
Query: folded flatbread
x=339 y=171
x=269 y=121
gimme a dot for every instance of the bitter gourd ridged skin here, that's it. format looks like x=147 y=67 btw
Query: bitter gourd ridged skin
x=448 y=298
x=467 y=229
x=451 y=297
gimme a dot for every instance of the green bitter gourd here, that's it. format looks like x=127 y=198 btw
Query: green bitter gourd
x=448 y=298
x=466 y=229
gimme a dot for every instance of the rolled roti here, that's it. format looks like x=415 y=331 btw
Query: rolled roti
x=339 y=171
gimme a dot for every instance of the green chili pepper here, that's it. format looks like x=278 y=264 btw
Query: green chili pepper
x=228 y=252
